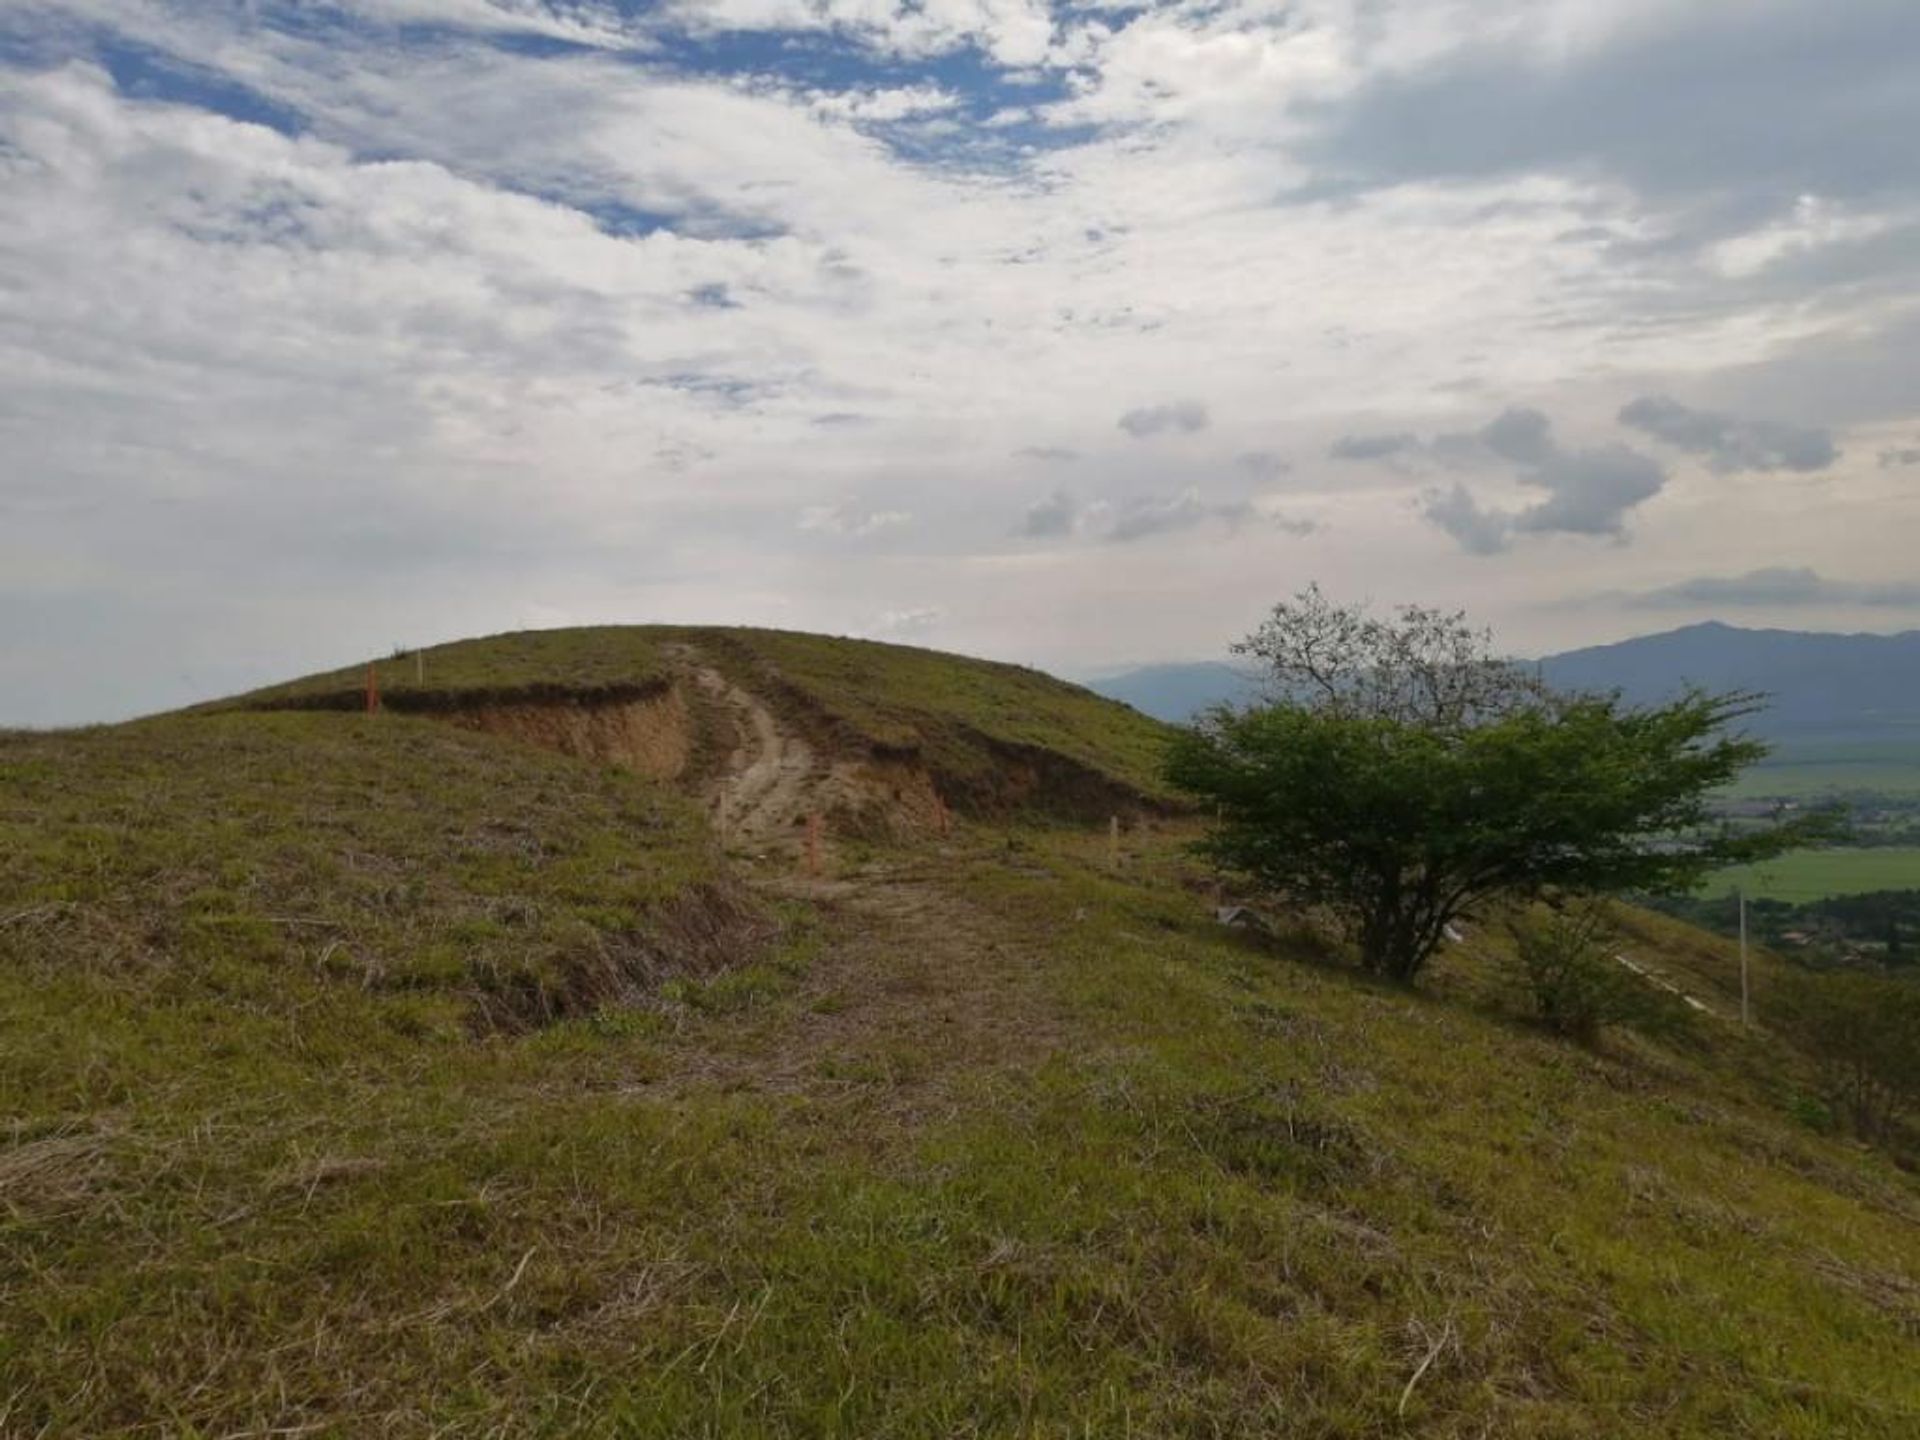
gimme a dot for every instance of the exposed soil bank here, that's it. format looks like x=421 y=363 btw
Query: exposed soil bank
x=652 y=736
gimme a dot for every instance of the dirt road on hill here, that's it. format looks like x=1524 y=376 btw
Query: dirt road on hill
x=770 y=775
x=917 y=983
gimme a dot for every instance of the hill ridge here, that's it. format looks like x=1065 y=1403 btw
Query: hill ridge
x=882 y=736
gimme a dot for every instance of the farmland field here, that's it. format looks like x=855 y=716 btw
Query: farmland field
x=1816 y=874
x=1806 y=769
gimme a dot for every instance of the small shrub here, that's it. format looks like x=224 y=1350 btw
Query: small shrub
x=1863 y=1030
x=1812 y=1112
x=1571 y=971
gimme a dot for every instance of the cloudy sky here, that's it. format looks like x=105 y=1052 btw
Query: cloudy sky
x=1070 y=333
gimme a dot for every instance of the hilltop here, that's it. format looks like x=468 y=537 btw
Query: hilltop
x=895 y=724
x=500 y=1064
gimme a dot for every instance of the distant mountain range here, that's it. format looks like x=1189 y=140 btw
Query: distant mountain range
x=1834 y=687
x=1176 y=692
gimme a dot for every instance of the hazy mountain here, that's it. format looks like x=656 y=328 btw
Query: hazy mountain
x=1175 y=692
x=1833 y=686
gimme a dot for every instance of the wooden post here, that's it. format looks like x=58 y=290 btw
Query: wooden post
x=813 y=843
x=373 y=690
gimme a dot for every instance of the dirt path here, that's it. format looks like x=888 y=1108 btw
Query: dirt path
x=919 y=991
x=765 y=790
x=916 y=985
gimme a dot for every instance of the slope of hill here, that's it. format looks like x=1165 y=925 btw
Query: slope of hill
x=360 y=1075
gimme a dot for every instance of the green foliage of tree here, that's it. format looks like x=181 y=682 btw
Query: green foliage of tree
x=1403 y=777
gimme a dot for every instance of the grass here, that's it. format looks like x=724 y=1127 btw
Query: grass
x=1816 y=874
x=981 y=1140
x=602 y=657
x=456 y=878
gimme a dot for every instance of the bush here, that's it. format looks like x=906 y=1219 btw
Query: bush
x=1863 y=1030
x=1569 y=965
x=1404 y=777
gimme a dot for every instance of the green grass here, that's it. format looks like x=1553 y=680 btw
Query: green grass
x=455 y=877
x=1055 y=1157
x=603 y=657
x=1816 y=874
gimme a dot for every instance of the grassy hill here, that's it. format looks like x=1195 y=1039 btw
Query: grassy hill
x=368 y=1076
x=967 y=719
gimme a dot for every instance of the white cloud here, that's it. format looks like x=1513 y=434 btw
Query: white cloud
x=851 y=520
x=879 y=106
x=905 y=623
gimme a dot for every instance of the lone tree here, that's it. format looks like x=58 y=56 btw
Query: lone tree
x=1402 y=775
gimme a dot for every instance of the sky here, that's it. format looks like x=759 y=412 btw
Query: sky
x=1074 y=334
